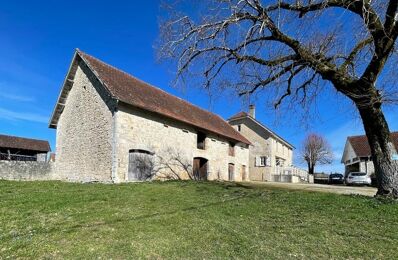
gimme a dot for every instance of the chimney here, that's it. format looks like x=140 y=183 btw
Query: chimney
x=252 y=111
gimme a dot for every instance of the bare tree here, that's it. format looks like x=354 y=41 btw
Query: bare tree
x=316 y=150
x=292 y=48
x=146 y=167
x=174 y=166
x=169 y=164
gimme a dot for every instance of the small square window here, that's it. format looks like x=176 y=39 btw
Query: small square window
x=231 y=150
x=262 y=161
x=201 y=138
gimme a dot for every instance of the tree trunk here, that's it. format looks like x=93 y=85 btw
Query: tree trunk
x=311 y=168
x=382 y=149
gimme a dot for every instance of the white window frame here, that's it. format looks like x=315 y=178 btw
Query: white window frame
x=262 y=161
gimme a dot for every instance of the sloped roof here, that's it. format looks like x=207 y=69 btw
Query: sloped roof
x=361 y=146
x=242 y=114
x=135 y=92
x=238 y=115
x=14 y=142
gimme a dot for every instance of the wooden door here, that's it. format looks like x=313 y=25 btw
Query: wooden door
x=200 y=168
x=140 y=165
x=196 y=168
x=133 y=174
x=243 y=172
x=231 y=168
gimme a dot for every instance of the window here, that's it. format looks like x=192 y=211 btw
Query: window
x=201 y=138
x=262 y=161
x=231 y=150
x=280 y=162
x=239 y=128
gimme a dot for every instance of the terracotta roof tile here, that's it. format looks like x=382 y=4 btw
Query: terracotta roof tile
x=15 y=142
x=239 y=115
x=133 y=91
x=361 y=146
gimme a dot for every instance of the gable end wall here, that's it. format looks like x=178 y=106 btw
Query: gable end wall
x=264 y=144
x=84 y=131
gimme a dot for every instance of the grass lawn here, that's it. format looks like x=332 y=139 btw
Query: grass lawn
x=190 y=220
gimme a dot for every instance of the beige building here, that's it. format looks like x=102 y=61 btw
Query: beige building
x=271 y=156
x=112 y=127
x=357 y=156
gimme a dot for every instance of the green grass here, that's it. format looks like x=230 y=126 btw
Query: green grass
x=190 y=220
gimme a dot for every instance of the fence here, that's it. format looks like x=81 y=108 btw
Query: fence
x=287 y=174
x=17 y=157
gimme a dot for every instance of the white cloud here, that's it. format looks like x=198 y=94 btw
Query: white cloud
x=15 y=97
x=24 y=116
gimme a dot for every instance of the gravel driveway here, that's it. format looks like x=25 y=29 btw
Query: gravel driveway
x=339 y=189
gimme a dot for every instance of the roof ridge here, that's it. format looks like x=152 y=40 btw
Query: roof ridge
x=364 y=135
x=212 y=121
x=19 y=142
x=144 y=82
x=23 y=137
x=107 y=64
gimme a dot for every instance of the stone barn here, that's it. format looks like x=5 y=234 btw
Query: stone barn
x=112 y=127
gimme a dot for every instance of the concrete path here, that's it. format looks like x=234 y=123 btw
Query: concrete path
x=339 y=189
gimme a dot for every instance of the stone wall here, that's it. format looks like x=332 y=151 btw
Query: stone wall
x=30 y=171
x=85 y=131
x=138 y=129
x=42 y=157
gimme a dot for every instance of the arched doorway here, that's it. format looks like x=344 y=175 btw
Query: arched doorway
x=141 y=165
x=200 y=166
x=231 y=172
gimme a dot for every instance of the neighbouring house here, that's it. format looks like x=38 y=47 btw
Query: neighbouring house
x=271 y=156
x=113 y=127
x=14 y=148
x=357 y=155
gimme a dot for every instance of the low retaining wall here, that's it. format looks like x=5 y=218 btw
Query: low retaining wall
x=17 y=170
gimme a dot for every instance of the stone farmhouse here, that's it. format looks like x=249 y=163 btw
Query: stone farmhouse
x=112 y=127
x=270 y=156
x=357 y=155
x=14 y=148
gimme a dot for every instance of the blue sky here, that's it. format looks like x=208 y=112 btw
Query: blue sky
x=37 y=41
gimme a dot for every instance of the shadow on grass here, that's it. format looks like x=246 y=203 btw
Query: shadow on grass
x=142 y=217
